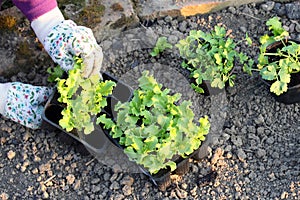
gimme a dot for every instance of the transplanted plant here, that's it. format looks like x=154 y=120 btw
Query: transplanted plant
x=161 y=45
x=153 y=127
x=83 y=97
x=211 y=57
x=278 y=66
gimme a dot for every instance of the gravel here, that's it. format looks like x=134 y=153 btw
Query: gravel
x=254 y=142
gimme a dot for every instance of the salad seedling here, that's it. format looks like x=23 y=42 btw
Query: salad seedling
x=211 y=57
x=161 y=45
x=278 y=66
x=56 y=72
x=153 y=127
x=83 y=97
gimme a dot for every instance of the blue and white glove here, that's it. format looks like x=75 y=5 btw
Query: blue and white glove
x=23 y=103
x=63 y=40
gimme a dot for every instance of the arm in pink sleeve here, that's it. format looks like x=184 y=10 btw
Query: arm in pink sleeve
x=32 y=9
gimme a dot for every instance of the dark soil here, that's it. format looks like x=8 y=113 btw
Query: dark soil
x=254 y=141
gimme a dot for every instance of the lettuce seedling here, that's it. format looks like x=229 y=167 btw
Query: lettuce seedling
x=83 y=97
x=153 y=127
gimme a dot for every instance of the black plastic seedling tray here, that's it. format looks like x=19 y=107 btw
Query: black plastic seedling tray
x=96 y=140
x=100 y=138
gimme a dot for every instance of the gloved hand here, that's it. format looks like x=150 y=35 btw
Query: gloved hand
x=23 y=103
x=63 y=40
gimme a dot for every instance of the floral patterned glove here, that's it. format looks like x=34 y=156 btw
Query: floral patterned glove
x=63 y=40
x=23 y=103
x=67 y=40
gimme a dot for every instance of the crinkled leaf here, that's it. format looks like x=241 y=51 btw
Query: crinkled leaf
x=278 y=87
x=269 y=72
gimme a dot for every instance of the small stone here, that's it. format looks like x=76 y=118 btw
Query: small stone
x=127 y=180
x=259 y=120
x=243 y=29
x=183 y=26
x=241 y=155
x=45 y=195
x=95 y=181
x=272 y=177
x=237 y=141
x=35 y=171
x=275 y=155
x=70 y=179
x=292 y=10
x=96 y=189
x=279 y=9
x=184 y=186
x=286 y=28
x=297 y=28
x=261 y=153
x=218 y=154
x=260 y=130
x=232 y=9
x=251 y=129
x=117 y=168
x=168 y=19
x=252 y=175
x=114 y=186
x=127 y=190
x=284 y=195
x=181 y=193
x=173 y=39
x=77 y=185
x=11 y=154
x=268 y=6
x=270 y=140
x=4 y=196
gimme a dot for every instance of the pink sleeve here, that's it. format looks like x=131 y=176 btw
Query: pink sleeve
x=32 y=9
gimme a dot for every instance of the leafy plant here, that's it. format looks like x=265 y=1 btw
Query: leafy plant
x=154 y=128
x=211 y=57
x=278 y=66
x=84 y=98
x=56 y=72
x=161 y=45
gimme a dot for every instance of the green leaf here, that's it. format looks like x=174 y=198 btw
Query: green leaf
x=83 y=98
x=108 y=123
x=161 y=44
x=165 y=127
x=218 y=83
x=218 y=58
x=56 y=72
x=151 y=142
x=275 y=26
x=278 y=87
x=249 y=40
x=284 y=75
x=269 y=72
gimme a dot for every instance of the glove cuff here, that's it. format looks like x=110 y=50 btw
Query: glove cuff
x=4 y=87
x=43 y=24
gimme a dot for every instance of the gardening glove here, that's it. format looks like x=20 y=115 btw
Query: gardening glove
x=23 y=103
x=63 y=40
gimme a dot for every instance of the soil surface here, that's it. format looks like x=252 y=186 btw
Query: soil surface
x=254 y=143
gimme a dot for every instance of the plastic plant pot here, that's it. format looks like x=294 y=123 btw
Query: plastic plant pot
x=97 y=140
x=293 y=93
